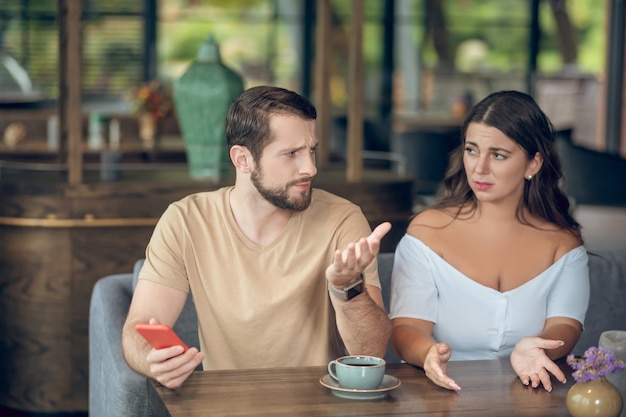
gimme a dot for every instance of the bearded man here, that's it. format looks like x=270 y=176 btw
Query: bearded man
x=281 y=274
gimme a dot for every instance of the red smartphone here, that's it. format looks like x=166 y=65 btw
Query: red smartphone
x=160 y=336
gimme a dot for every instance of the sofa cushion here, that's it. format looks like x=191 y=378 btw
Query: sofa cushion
x=385 y=266
x=136 y=269
x=114 y=389
x=607 y=304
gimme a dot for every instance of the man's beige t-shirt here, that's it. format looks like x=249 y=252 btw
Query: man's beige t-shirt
x=258 y=306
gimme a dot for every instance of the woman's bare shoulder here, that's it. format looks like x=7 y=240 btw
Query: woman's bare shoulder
x=566 y=242
x=562 y=240
x=429 y=220
x=432 y=217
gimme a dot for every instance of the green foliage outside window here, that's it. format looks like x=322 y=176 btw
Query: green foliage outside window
x=259 y=38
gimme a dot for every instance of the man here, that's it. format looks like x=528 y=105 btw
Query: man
x=270 y=261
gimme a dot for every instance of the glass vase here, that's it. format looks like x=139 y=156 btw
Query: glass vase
x=203 y=95
x=594 y=398
x=615 y=340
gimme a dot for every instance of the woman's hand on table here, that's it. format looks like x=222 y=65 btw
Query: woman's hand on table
x=435 y=364
x=532 y=365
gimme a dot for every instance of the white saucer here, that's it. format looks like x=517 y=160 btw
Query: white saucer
x=389 y=383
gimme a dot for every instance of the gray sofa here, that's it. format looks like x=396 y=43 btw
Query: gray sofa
x=115 y=390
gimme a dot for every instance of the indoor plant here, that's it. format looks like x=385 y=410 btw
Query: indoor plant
x=593 y=394
x=151 y=102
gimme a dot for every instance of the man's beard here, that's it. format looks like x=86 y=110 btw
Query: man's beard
x=281 y=198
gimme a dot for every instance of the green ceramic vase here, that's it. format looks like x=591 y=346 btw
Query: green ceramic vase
x=594 y=398
x=202 y=97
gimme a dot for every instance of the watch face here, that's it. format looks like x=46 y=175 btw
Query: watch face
x=354 y=289
x=353 y=292
x=349 y=291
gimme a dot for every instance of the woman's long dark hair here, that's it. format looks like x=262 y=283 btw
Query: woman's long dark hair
x=519 y=117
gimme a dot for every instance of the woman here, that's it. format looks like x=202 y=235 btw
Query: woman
x=497 y=266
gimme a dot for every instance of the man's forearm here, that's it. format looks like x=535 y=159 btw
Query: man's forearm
x=363 y=325
x=134 y=350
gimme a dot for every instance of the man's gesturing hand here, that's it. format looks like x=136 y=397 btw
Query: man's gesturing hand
x=353 y=260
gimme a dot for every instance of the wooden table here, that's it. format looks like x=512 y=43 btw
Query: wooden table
x=489 y=388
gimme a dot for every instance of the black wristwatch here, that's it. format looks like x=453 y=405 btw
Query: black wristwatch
x=349 y=291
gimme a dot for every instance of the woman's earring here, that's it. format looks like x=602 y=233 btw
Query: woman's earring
x=530 y=177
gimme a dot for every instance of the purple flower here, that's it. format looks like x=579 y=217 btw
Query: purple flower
x=596 y=362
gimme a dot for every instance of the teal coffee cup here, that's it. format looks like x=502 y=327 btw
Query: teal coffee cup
x=358 y=372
